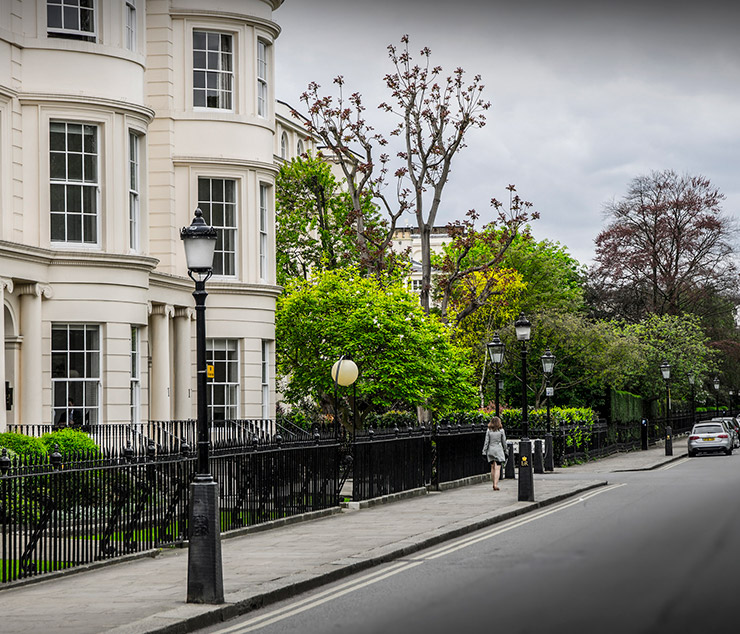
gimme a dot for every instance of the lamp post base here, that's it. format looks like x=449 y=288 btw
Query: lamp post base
x=668 y=441
x=526 y=479
x=205 y=569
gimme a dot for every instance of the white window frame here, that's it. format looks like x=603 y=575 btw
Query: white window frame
x=134 y=187
x=284 y=146
x=262 y=79
x=135 y=380
x=88 y=185
x=131 y=31
x=217 y=69
x=225 y=254
x=299 y=148
x=76 y=373
x=225 y=386
x=265 y=391
x=69 y=8
x=264 y=236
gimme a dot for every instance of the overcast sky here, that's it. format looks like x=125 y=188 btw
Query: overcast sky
x=585 y=95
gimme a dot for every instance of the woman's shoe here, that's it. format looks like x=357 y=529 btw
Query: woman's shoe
x=496 y=489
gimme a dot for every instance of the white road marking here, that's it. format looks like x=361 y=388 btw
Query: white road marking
x=316 y=600
x=673 y=464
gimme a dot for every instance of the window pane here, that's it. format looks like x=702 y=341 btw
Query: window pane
x=74 y=198
x=57 y=166
x=77 y=364
x=199 y=39
x=74 y=228
x=58 y=365
x=74 y=167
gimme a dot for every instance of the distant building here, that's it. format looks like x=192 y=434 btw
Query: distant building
x=409 y=238
x=117 y=119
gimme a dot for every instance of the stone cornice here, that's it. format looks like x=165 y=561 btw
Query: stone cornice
x=165 y=280
x=225 y=162
x=87 y=101
x=268 y=25
x=49 y=257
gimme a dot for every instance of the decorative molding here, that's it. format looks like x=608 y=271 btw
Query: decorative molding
x=6 y=283
x=208 y=14
x=166 y=310
x=49 y=257
x=185 y=311
x=194 y=161
x=87 y=102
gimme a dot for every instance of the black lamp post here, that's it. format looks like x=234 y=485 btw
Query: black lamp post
x=692 y=380
x=548 y=366
x=665 y=370
x=496 y=350
x=716 y=396
x=526 y=482
x=205 y=570
x=732 y=401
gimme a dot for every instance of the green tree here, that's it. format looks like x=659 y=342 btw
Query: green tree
x=590 y=357
x=314 y=222
x=404 y=356
x=677 y=339
x=553 y=278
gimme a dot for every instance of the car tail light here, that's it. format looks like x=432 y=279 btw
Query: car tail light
x=693 y=437
x=722 y=436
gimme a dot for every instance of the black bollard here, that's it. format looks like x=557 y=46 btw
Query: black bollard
x=644 y=434
x=537 y=458
x=526 y=479
x=668 y=441
x=549 y=453
x=510 y=467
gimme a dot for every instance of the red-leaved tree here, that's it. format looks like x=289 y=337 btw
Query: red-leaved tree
x=668 y=249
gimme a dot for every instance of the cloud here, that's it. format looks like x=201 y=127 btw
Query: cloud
x=586 y=95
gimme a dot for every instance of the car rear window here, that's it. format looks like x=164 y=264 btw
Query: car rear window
x=708 y=429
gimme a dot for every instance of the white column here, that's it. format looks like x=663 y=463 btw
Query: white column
x=183 y=362
x=29 y=386
x=4 y=283
x=159 y=345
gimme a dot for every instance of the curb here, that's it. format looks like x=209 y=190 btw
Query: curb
x=183 y=620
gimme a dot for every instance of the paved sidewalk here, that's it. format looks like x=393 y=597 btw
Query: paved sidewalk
x=148 y=594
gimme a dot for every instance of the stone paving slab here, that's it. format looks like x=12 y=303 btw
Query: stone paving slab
x=147 y=595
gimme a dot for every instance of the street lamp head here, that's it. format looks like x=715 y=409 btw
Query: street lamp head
x=344 y=372
x=716 y=383
x=665 y=370
x=548 y=362
x=496 y=349
x=199 y=240
x=523 y=328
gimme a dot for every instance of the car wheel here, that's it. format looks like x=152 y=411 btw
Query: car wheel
x=692 y=454
x=728 y=452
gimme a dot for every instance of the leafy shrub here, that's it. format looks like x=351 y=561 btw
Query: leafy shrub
x=23 y=445
x=391 y=419
x=71 y=442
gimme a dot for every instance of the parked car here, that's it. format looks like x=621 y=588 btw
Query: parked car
x=712 y=436
x=732 y=427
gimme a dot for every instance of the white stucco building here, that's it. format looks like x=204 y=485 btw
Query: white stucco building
x=117 y=119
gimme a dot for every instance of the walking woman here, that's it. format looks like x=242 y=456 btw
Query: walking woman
x=494 y=449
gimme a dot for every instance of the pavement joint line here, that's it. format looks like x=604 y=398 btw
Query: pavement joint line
x=213 y=615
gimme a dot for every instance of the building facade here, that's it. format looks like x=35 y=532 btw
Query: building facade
x=117 y=119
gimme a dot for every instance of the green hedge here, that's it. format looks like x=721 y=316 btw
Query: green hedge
x=71 y=441
x=23 y=445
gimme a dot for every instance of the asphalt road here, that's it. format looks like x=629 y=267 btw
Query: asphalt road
x=653 y=552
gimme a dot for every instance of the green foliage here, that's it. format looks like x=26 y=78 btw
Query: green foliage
x=553 y=278
x=391 y=419
x=23 y=445
x=404 y=356
x=70 y=441
x=625 y=407
x=677 y=339
x=316 y=223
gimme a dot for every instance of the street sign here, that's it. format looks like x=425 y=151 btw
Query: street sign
x=210 y=373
